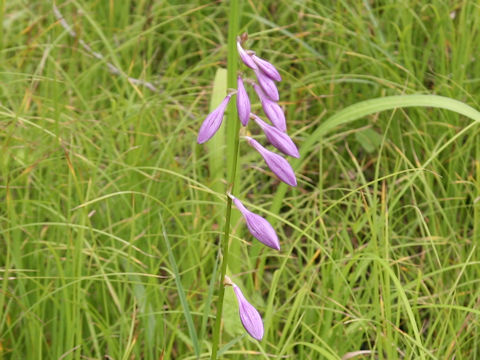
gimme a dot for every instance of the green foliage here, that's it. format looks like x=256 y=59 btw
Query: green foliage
x=111 y=214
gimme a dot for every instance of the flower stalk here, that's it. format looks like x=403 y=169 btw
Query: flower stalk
x=233 y=129
x=276 y=135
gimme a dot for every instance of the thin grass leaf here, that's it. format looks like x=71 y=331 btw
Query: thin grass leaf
x=181 y=292
x=368 y=107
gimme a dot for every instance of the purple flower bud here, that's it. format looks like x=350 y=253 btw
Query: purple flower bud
x=258 y=226
x=213 y=121
x=243 y=102
x=251 y=319
x=273 y=111
x=268 y=85
x=247 y=59
x=276 y=163
x=267 y=68
x=278 y=138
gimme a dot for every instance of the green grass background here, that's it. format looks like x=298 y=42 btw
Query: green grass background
x=111 y=214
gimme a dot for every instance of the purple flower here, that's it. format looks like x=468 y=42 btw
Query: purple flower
x=273 y=111
x=251 y=319
x=213 y=121
x=246 y=58
x=277 y=138
x=258 y=226
x=276 y=163
x=243 y=102
x=267 y=68
x=268 y=85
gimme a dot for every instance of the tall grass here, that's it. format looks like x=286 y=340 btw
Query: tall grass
x=111 y=216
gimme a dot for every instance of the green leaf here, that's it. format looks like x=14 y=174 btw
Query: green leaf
x=369 y=139
x=368 y=107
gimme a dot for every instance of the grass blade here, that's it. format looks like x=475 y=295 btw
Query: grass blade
x=181 y=291
x=368 y=107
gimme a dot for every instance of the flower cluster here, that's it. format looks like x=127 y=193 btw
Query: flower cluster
x=267 y=92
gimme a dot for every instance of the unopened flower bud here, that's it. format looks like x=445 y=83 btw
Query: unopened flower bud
x=258 y=226
x=272 y=110
x=277 y=138
x=246 y=58
x=268 y=85
x=267 y=68
x=243 y=102
x=213 y=121
x=250 y=317
x=276 y=163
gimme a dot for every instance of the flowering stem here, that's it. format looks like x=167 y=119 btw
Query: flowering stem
x=233 y=128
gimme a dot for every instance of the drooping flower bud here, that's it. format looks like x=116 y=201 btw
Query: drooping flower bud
x=268 y=85
x=267 y=68
x=272 y=110
x=246 y=58
x=276 y=163
x=277 y=138
x=243 y=102
x=213 y=121
x=258 y=226
x=251 y=319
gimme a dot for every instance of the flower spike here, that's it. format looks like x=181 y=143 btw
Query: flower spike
x=277 y=138
x=258 y=226
x=272 y=110
x=246 y=58
x=267 y=68
x=276 y=163
x=213 y=121
x=251 y=319
x=268 y=85
x=243 y=102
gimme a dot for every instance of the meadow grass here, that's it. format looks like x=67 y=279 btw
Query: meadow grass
x=111 y=214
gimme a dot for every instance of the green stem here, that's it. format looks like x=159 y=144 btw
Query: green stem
x=233 y=128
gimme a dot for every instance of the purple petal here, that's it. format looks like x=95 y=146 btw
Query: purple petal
x=247 y=59
x=272 y=110
x=276 y=163
x=251 y=319
x=243 y=102
x=278 y=138
x=267 y=68
x=213 y=121
x=268 y=85
x=258 y=226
